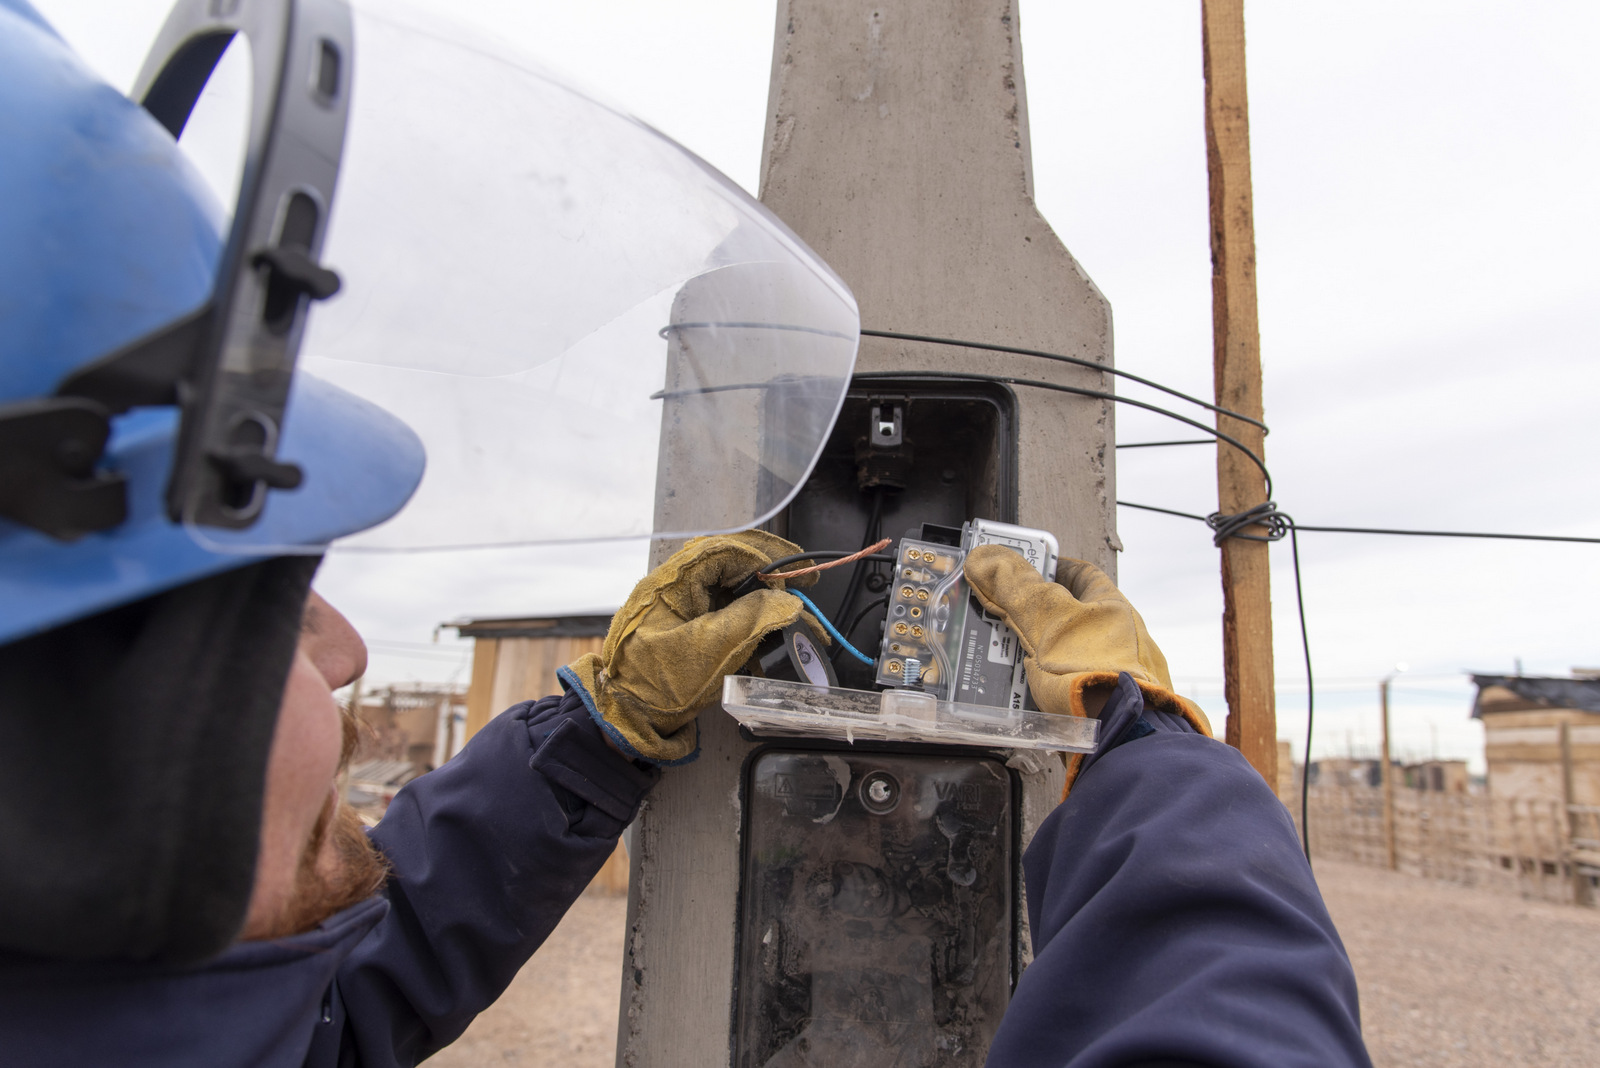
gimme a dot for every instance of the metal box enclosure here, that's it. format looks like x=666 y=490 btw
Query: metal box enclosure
x=938 y=637
x=877 y=914
x=952 y=457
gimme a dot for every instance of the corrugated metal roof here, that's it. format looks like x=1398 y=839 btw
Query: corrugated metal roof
x=1533 y=691
x=587 y=625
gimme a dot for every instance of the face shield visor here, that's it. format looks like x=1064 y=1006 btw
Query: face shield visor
x=594 y=333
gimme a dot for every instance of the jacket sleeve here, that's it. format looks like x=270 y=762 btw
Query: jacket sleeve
x=487 y=853
x=1174 y=919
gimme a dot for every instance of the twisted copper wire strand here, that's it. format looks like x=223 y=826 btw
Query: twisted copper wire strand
x=852 y=558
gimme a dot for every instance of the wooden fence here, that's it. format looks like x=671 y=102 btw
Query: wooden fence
x=1524 y=846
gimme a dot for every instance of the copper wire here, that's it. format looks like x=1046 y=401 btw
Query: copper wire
x=852 y=558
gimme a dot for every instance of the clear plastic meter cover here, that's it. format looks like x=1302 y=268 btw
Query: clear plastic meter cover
x=594 y=333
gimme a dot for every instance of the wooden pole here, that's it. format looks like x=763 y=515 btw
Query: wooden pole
x=1389 y=845
x=1580 y=882
x=355 y=714
x=1236 y=365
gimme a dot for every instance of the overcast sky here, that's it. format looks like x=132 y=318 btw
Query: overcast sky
x=1426 y=220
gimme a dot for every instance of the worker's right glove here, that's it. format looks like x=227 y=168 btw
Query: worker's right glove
x=1078 y=634
x=668 y=648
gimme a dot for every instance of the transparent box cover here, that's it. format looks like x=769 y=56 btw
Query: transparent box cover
x=777 y=707
x=876 y=918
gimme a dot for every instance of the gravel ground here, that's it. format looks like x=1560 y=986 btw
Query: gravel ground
x=1451 y=977
x=1454 y=977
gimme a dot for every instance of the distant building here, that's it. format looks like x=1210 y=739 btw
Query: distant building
x=1439 y=776
x=1346 y=771
x=1522 y=717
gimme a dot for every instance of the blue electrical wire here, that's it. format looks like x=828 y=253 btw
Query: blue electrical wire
x=833 y=630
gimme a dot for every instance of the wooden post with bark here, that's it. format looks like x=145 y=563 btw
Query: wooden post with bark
x=1572 y=854
x=1391 y=849
x=1236 y=361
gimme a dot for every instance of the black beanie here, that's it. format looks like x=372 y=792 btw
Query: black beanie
x=133 y=755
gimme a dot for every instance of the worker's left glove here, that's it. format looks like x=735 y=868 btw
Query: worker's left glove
x=1078 y=634
x=667 y=651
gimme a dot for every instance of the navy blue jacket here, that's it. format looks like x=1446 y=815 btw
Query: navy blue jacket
x=1174 y=921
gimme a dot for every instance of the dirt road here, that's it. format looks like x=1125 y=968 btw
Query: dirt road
x=1453 y=977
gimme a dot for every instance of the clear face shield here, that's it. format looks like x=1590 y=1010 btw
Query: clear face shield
x=594 y=334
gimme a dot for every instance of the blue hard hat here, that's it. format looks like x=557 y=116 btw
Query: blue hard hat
x=108 y=233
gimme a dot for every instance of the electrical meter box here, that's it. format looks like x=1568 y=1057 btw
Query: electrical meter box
x=877 y=909
x=948 y=672
x=938 y=637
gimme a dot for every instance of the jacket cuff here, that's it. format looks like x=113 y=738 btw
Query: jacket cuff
x=571 y=753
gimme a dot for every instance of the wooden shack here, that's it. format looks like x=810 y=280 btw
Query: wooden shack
x=515 y=659
x=1522 y=719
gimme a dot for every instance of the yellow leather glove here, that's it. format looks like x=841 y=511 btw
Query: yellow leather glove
x=1077 y=635
x=666 y=653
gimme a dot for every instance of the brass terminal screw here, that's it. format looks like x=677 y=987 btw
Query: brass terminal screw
x=905 y=591
x=901 y=628
x=922 y=595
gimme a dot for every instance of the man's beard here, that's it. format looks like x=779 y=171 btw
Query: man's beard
x=359 y=871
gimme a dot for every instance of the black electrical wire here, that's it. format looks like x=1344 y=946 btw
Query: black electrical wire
x=822 y=554
x=1311 y=700
x=1275 y=525
x=1372 y=530
x=1159 y=444
x=1059 y=358
x=1008 y=380
x=850 y=631
x=853 y=590
x=1450 y=534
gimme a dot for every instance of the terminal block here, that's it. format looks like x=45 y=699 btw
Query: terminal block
x=938 y=638
x=925 y=579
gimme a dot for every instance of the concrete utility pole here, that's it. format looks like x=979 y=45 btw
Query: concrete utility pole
x=897 y=147
x=1236 y=363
